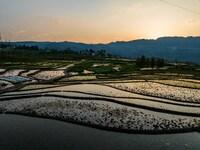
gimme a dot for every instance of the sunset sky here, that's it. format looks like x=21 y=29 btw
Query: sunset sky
x=97 y=21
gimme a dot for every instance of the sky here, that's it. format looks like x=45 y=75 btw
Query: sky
x=97 y=21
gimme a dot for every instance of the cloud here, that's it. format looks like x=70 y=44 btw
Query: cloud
x=192 y=21
x=19 y=32
x=59 y=21
x=43 y=35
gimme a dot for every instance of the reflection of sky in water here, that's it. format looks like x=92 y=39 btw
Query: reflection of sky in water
x=15 y=79
x=24 y=133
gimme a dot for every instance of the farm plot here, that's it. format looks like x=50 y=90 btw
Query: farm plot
x=5 y=84
x=2 y=70
x=49 y=75
x=14 y=72
x=25 y=74
x=105 y=93
x=78 y=78
x=100 y=114
x=136 y=106
x=160 y=90
x=179 y=83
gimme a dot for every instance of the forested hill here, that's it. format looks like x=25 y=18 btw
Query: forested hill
x=171 y=48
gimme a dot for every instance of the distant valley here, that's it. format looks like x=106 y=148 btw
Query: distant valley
x=185 y=49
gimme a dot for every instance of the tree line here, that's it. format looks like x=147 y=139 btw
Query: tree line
x=25 y=47
x=26 y=53
x=152 y=62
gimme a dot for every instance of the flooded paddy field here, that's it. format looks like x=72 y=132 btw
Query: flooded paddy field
x=134 y=106
x=20 y=132
x=107 y=102
x=59 y=109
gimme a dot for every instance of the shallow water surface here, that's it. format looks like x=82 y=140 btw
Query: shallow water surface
x=28 y=133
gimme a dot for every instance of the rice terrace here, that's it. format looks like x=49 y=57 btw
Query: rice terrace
x=90 y=91
x=99 y=75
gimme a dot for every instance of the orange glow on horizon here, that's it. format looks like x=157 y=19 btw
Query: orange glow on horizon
x=99 y=21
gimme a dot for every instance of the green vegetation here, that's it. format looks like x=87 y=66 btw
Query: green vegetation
x=100 y=64
x=152 y=62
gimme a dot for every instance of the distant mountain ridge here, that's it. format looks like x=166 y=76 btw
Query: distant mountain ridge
x=171 y=48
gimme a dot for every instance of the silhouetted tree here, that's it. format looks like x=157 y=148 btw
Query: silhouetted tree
x=143 y=61
x=24 y=47
x=160 y=63
x=148 y=62
x=91 y=52
x=153 y=62
x=138 y=62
